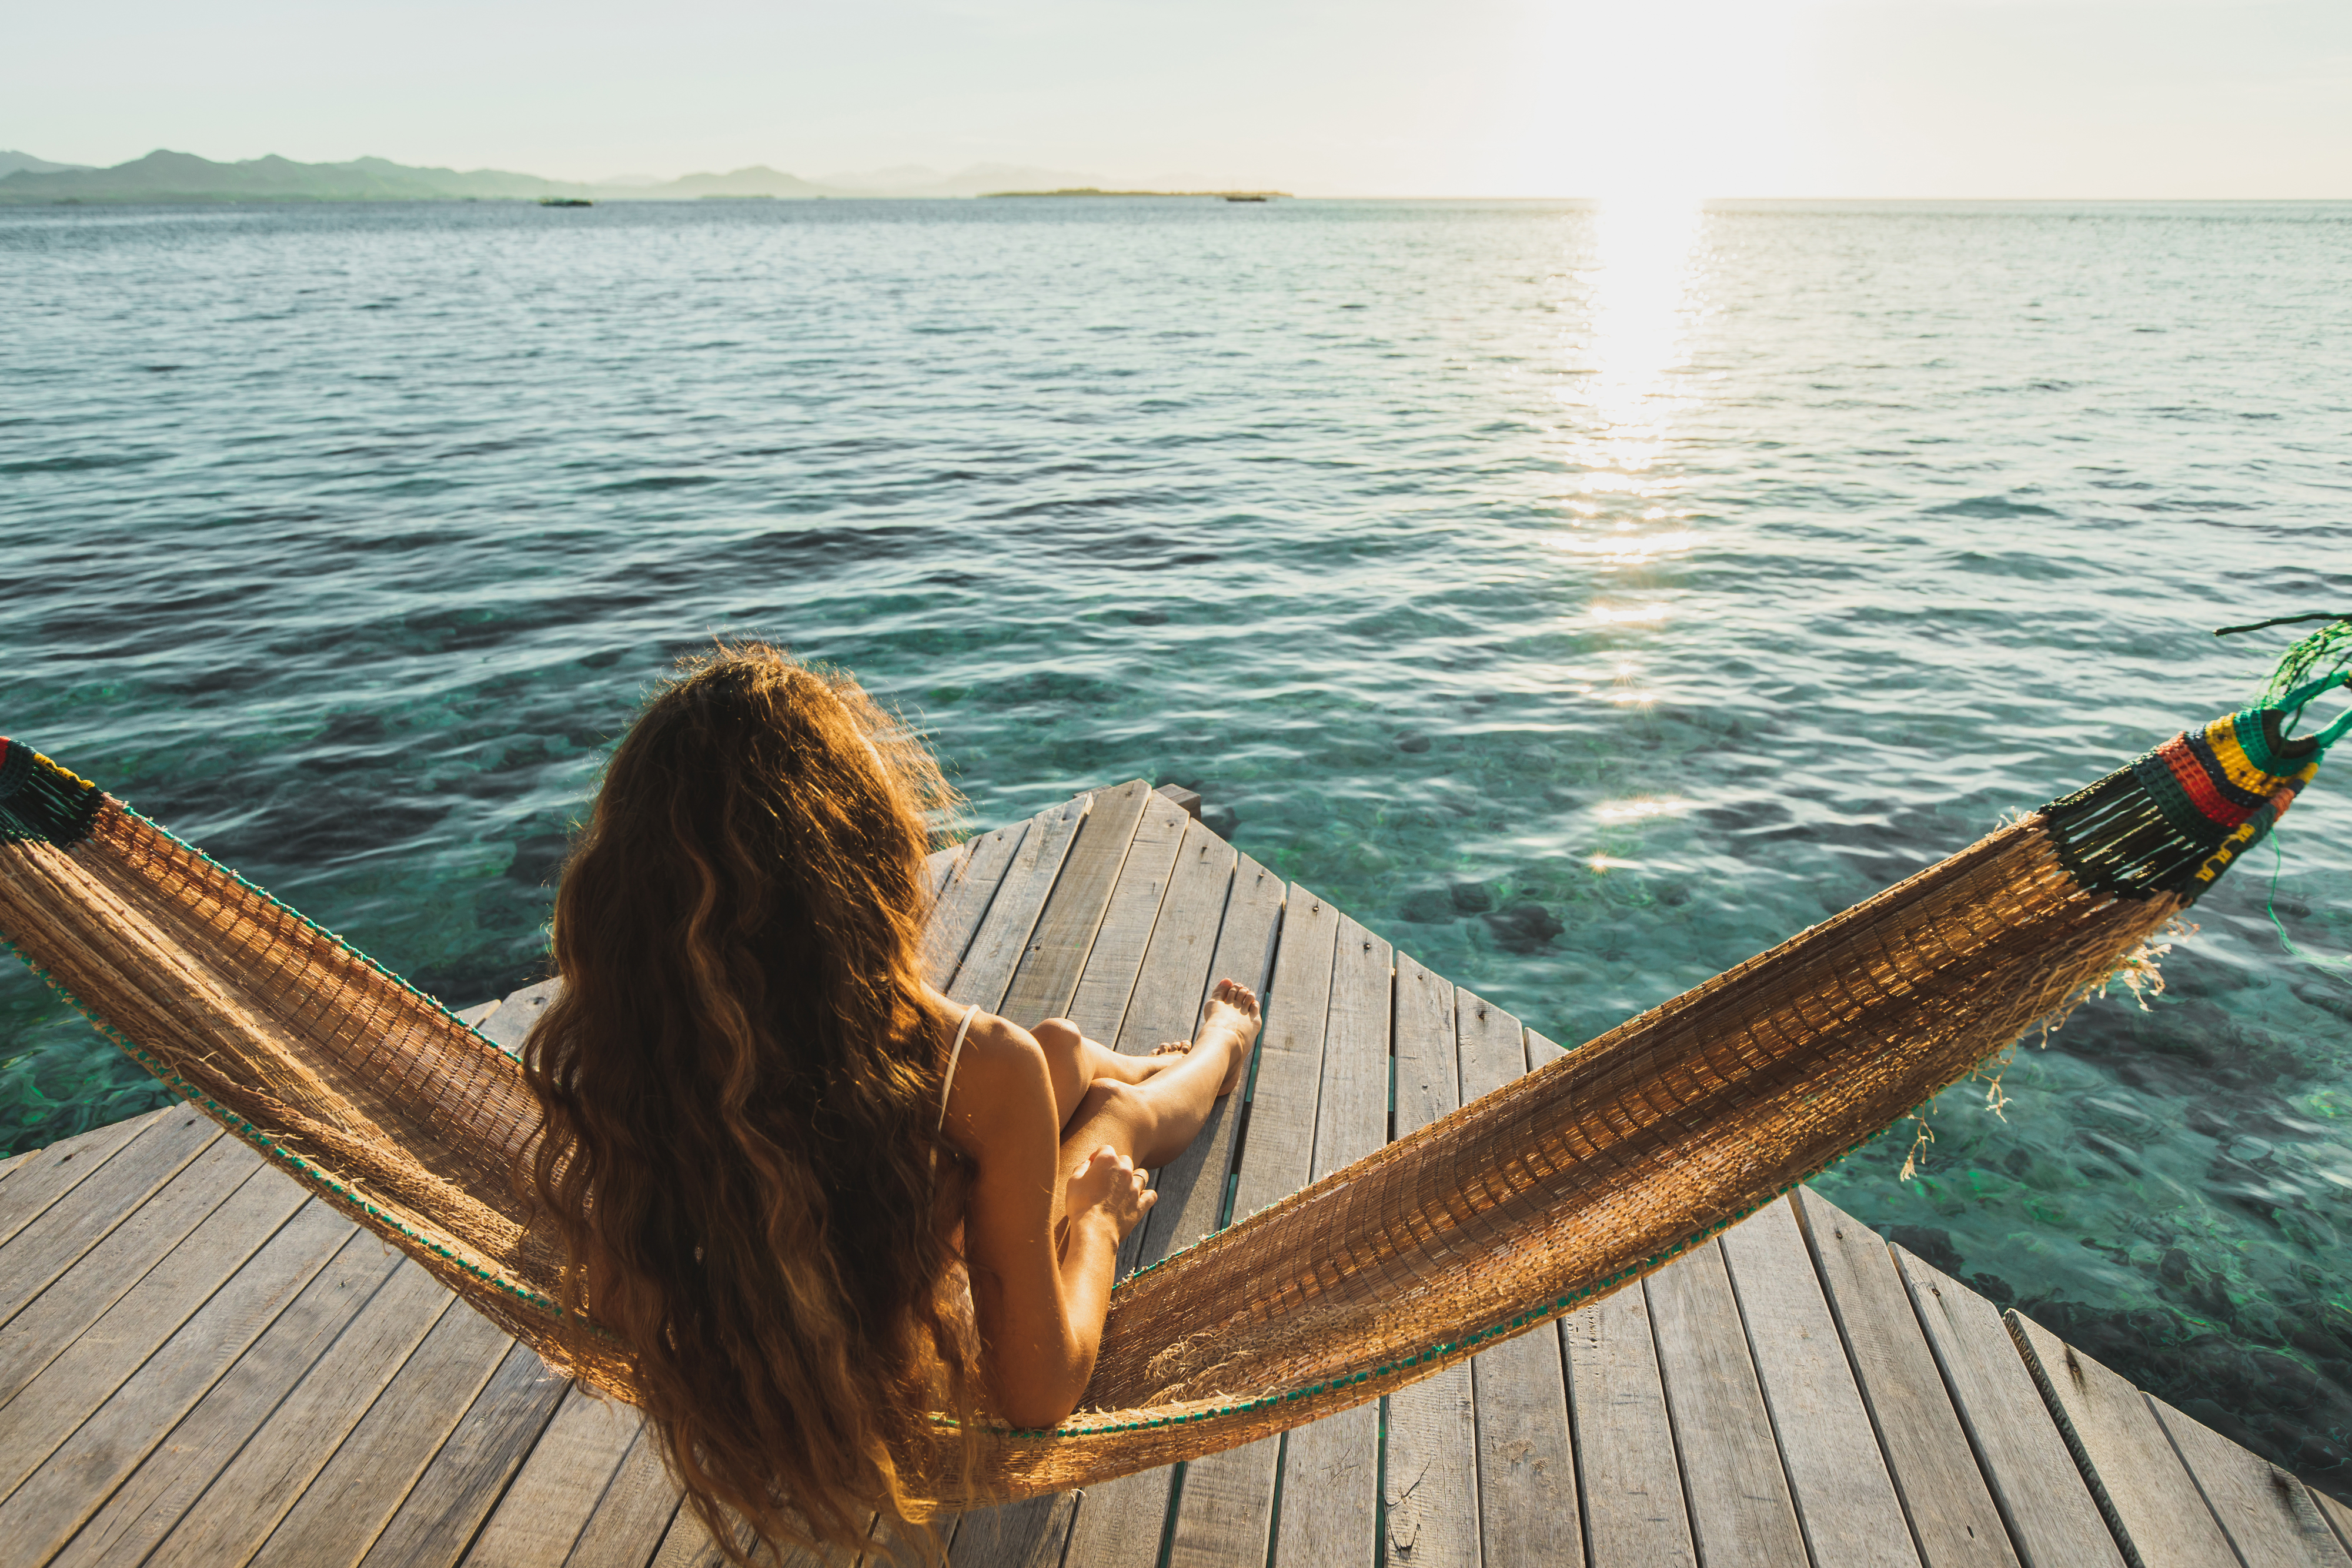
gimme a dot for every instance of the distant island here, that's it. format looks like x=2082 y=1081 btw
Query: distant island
x=1096 y=191
x=164 y=176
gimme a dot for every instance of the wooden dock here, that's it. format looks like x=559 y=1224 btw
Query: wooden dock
x=199 y=1364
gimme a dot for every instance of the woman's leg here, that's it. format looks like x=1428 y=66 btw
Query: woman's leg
x=1154 y=1120
x=1076 y=1063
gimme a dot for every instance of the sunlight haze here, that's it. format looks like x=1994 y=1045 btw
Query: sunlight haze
x=1927 y=99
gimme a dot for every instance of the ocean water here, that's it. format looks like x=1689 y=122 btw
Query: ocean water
x=1588 y=599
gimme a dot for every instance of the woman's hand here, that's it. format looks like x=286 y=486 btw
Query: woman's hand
x=1043 y=1249
x=1109 y=1184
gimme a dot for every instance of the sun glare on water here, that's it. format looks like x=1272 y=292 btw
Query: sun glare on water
x=1620 y=397
x=1624 y=363
x=1642 y=246
x=1638 y=290
x=1670 y=105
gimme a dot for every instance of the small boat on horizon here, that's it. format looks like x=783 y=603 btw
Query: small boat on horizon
x=565 y=201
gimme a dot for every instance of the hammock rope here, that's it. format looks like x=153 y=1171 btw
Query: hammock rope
x=1562 y=1185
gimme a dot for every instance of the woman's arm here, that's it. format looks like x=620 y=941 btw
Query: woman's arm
x=1041 y=1273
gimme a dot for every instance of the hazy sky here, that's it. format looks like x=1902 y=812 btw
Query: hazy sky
x=1758 y=98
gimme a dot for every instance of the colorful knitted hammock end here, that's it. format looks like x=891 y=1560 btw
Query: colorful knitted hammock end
x=2173 y=819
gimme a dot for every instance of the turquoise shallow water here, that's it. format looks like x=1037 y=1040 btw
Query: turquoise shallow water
x=1587 y=599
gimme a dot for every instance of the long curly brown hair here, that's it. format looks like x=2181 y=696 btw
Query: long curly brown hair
x=741 y=1084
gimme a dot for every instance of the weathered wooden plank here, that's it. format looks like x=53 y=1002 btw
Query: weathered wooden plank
x=689 y=1545
x=1741 y=1508
x=1430 y=1477
x=78 y=1476
x=686 y=1544
x=1429 y=1471
x=79 y=1376
x=1036 y=1531
x=472 y=1017
x=634 y=1514
x=41 y=1177
x=1286 y=1088
x=1628 y=1478
x=1953 y=1518
x=510 y=1022
x=1491 y=1043
x=1846 y=1504
x=2052 y=1522
x=995 y=950
x=442 y=1510
x=1121 y=1522
x=339 y=1513
x=891 y=1543
x=1226 y=1514
x=1352 y=1118
x=540 y=1519
x=268 y=1476
x=1528 y=1510
x=1226 y=1508
x=979 y=871
x=2338 y=1516
x=941 y=863
x=110 y=1270
x=1427 y=1067
x=2159 y=1516
x=1047 y=976
x=1114 y=962
x=1426 y=1063
x=177 y=1471
x=41 y=1252
x=1181 y=967
x=2267 y=1514
x=1331 y=1482
x=1172 y=985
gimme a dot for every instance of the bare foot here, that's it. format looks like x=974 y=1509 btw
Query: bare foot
x=1169 y=1052
x=1163 y=1056
x=1231 y=1018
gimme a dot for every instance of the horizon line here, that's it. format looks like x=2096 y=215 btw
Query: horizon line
x=622 y=188
x=620 y=193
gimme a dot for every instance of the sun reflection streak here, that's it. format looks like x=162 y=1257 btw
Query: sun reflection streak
x=1622 y=385
x=1643 y=247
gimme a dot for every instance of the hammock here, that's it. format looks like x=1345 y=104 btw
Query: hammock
x=1553 y=1190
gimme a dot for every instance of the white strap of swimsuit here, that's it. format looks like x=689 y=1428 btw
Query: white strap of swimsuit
x=953 y=1052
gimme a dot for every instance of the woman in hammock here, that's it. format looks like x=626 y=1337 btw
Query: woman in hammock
x=773 y=1151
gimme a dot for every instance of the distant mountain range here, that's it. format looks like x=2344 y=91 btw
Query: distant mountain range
x=164 y=176
x=12 y=162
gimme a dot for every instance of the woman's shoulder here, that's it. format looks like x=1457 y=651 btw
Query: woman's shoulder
x=1000 y=1073
x=982 y=1036
x=996 y=1050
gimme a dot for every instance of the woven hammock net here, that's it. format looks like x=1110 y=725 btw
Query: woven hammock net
x=1557 y=1188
